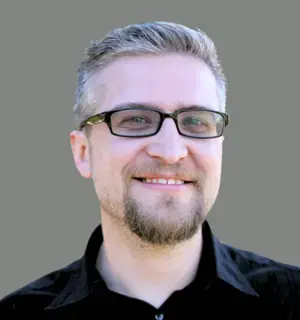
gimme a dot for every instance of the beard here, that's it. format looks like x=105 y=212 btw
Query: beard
x=168 y=221
x=174 y=224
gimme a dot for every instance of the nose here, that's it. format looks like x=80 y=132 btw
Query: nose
x=168 y=145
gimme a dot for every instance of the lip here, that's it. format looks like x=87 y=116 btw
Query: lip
x=164 y=187
x=163 y=176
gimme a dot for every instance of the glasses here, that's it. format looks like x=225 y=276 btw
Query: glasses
x=140 y=122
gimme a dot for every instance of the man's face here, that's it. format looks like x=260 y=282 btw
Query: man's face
x=158 y=213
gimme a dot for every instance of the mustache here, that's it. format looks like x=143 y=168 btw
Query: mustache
x=156 y=168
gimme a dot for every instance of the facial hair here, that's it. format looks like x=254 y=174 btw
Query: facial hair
x=155 y=230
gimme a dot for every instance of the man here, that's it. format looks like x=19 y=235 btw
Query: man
x=150 y=109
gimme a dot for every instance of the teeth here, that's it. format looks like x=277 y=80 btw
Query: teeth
x=164 y=181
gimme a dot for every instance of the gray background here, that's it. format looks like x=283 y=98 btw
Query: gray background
x=48 y=211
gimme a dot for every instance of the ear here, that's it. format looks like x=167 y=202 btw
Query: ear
x=80 y=150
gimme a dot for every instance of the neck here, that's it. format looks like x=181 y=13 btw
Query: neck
x=150 y=273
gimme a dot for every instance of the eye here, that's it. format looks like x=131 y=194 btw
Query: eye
x=192 y=121
x=194 y=124
x=134 y=122
x=135 y=119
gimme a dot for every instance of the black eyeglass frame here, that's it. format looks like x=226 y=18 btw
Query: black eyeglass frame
x=106 y=117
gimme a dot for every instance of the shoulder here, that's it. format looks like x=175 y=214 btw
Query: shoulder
x=271 y=279
x=38 y=294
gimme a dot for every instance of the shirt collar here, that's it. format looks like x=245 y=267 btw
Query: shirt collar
x=216 y=263
x=226 y=269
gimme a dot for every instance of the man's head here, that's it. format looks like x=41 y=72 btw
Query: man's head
x=156 y=176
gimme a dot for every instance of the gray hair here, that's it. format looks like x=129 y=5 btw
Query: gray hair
x=158 y=38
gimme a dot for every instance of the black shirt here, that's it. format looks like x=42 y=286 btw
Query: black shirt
x=231 y=283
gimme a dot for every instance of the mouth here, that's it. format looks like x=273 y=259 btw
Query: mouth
x=163 y=181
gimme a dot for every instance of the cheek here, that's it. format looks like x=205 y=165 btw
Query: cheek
x=111 y=159
x=122 y=151
x=209 y=157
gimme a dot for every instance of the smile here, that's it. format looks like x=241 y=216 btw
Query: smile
x=162 y=181
x=165 y=183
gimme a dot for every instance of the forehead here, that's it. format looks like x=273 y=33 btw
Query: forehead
x=166 y=81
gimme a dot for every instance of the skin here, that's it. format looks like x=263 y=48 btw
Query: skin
x=152 y=235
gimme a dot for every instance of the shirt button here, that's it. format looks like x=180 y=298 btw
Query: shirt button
x=159 y=317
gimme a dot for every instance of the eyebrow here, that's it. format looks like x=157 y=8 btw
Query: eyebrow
x=138 y=105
